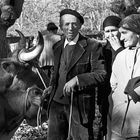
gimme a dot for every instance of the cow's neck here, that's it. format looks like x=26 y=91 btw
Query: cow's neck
x=16 y=96
x=13 y=113
x=16 y=100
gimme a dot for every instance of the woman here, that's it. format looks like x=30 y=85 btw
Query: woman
x=125 y=117
x=110 y=50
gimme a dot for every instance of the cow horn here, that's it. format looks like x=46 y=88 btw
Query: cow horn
x=33 y=52
x=22 y=41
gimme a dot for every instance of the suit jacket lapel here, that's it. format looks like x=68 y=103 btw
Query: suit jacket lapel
x=78 y=51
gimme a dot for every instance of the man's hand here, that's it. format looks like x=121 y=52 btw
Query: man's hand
x=39 y=100
x=69 y=86
x=46 y=93
x=47 y=90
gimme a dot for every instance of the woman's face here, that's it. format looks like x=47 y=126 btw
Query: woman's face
x=70 y=25
x=111 y=31
x=129 y=38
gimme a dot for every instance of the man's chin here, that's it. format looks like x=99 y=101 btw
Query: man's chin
x=70 y=38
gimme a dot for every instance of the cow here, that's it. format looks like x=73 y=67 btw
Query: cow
x=20 y=87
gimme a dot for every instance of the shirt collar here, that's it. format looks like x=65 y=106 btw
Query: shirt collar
x=73 y=42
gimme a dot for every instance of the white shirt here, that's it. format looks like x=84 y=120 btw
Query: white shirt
x=73 y=42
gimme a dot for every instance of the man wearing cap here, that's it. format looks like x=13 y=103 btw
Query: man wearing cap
x=125 y=117
x=112 y=47
x=78 y=69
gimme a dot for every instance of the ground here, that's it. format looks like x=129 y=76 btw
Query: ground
x=26 y=132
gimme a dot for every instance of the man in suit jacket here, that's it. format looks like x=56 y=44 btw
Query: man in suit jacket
x=78 y=69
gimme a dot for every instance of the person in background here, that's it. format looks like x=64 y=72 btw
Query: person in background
x=112 y=36
x=112 y=47
x=125 y=116
x=46 y=59
x=78 y=69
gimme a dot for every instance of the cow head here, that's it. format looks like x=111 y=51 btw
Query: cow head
x=21 y=85
x=32 y=103
x=18 y=67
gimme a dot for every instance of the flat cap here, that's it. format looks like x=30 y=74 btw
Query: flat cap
x=111 y=21
x=72 y=12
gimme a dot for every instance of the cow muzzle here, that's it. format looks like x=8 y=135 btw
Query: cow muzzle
x=32 y=104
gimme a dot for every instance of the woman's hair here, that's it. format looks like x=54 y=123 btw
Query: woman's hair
x=132 y=23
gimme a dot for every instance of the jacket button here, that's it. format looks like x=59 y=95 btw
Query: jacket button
x=125 y=101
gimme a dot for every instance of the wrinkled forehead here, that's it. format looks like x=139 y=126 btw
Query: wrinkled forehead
x=122 y=29
x=69 y=18
x=126 y=31
x=110 y=28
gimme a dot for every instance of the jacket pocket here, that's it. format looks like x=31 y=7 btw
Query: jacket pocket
x=82 y=67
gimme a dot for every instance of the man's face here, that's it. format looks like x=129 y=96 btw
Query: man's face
x=111 y=31
x=129 y=38
x=70 y=25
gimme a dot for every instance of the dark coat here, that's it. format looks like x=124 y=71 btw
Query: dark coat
x=109 y=55
x=104 y=90
x=87 y=64
x=132 y=84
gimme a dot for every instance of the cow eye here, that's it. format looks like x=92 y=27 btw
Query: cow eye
x=37 y=92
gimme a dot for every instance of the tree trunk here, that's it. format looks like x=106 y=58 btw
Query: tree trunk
x=4 y=48
x=10 y=10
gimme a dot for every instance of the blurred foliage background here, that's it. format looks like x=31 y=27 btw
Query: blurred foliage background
x=37 y=13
